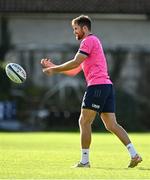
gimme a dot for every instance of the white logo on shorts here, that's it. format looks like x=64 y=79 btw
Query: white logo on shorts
x=96 y=106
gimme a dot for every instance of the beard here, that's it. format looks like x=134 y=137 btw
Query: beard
x=80 y=36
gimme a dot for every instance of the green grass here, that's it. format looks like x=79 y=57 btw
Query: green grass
x=51 y=155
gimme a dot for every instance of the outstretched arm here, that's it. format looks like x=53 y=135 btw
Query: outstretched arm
x=63 y=68
x=72 y=72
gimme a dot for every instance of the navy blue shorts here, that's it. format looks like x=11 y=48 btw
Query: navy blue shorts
x=99 y=98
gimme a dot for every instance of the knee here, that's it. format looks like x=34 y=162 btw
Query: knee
x=112 y=127
x=83 y=121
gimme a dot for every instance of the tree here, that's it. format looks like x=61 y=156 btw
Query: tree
x=5 y=45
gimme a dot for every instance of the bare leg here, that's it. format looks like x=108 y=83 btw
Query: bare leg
x=86 y=118
x=109 y=120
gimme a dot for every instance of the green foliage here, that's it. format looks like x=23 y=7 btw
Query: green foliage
x=34 y=91
x=126 y=110
x=5 y=84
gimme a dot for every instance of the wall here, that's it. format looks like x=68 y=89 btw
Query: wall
x=55 y=29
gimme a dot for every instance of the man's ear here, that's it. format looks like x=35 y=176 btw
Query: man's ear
x=85 y=28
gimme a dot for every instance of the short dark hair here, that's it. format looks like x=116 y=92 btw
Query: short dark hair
x=82 y=21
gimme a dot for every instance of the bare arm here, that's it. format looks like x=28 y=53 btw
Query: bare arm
x=63 y=68
x=72 y=72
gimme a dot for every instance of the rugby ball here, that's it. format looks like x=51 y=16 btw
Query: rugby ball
x=16 y=73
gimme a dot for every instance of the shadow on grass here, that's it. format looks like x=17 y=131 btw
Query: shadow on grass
x=110 y=168
x=144 y=169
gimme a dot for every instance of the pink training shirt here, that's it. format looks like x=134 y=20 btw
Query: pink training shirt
x=95 y=65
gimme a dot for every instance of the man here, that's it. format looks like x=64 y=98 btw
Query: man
x=99 y=96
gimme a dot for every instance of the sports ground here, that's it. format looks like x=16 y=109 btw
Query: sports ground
x=50 y=156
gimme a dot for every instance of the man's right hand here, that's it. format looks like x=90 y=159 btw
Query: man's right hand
x=47 y=63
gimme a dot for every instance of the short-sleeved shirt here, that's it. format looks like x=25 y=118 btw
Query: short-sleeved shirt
x=95 y=65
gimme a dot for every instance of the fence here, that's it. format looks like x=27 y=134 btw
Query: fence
x=46 y=103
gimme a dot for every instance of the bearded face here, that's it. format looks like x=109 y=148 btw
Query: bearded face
x=78 y=31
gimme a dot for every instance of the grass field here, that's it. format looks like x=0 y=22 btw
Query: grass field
x=51 y=155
